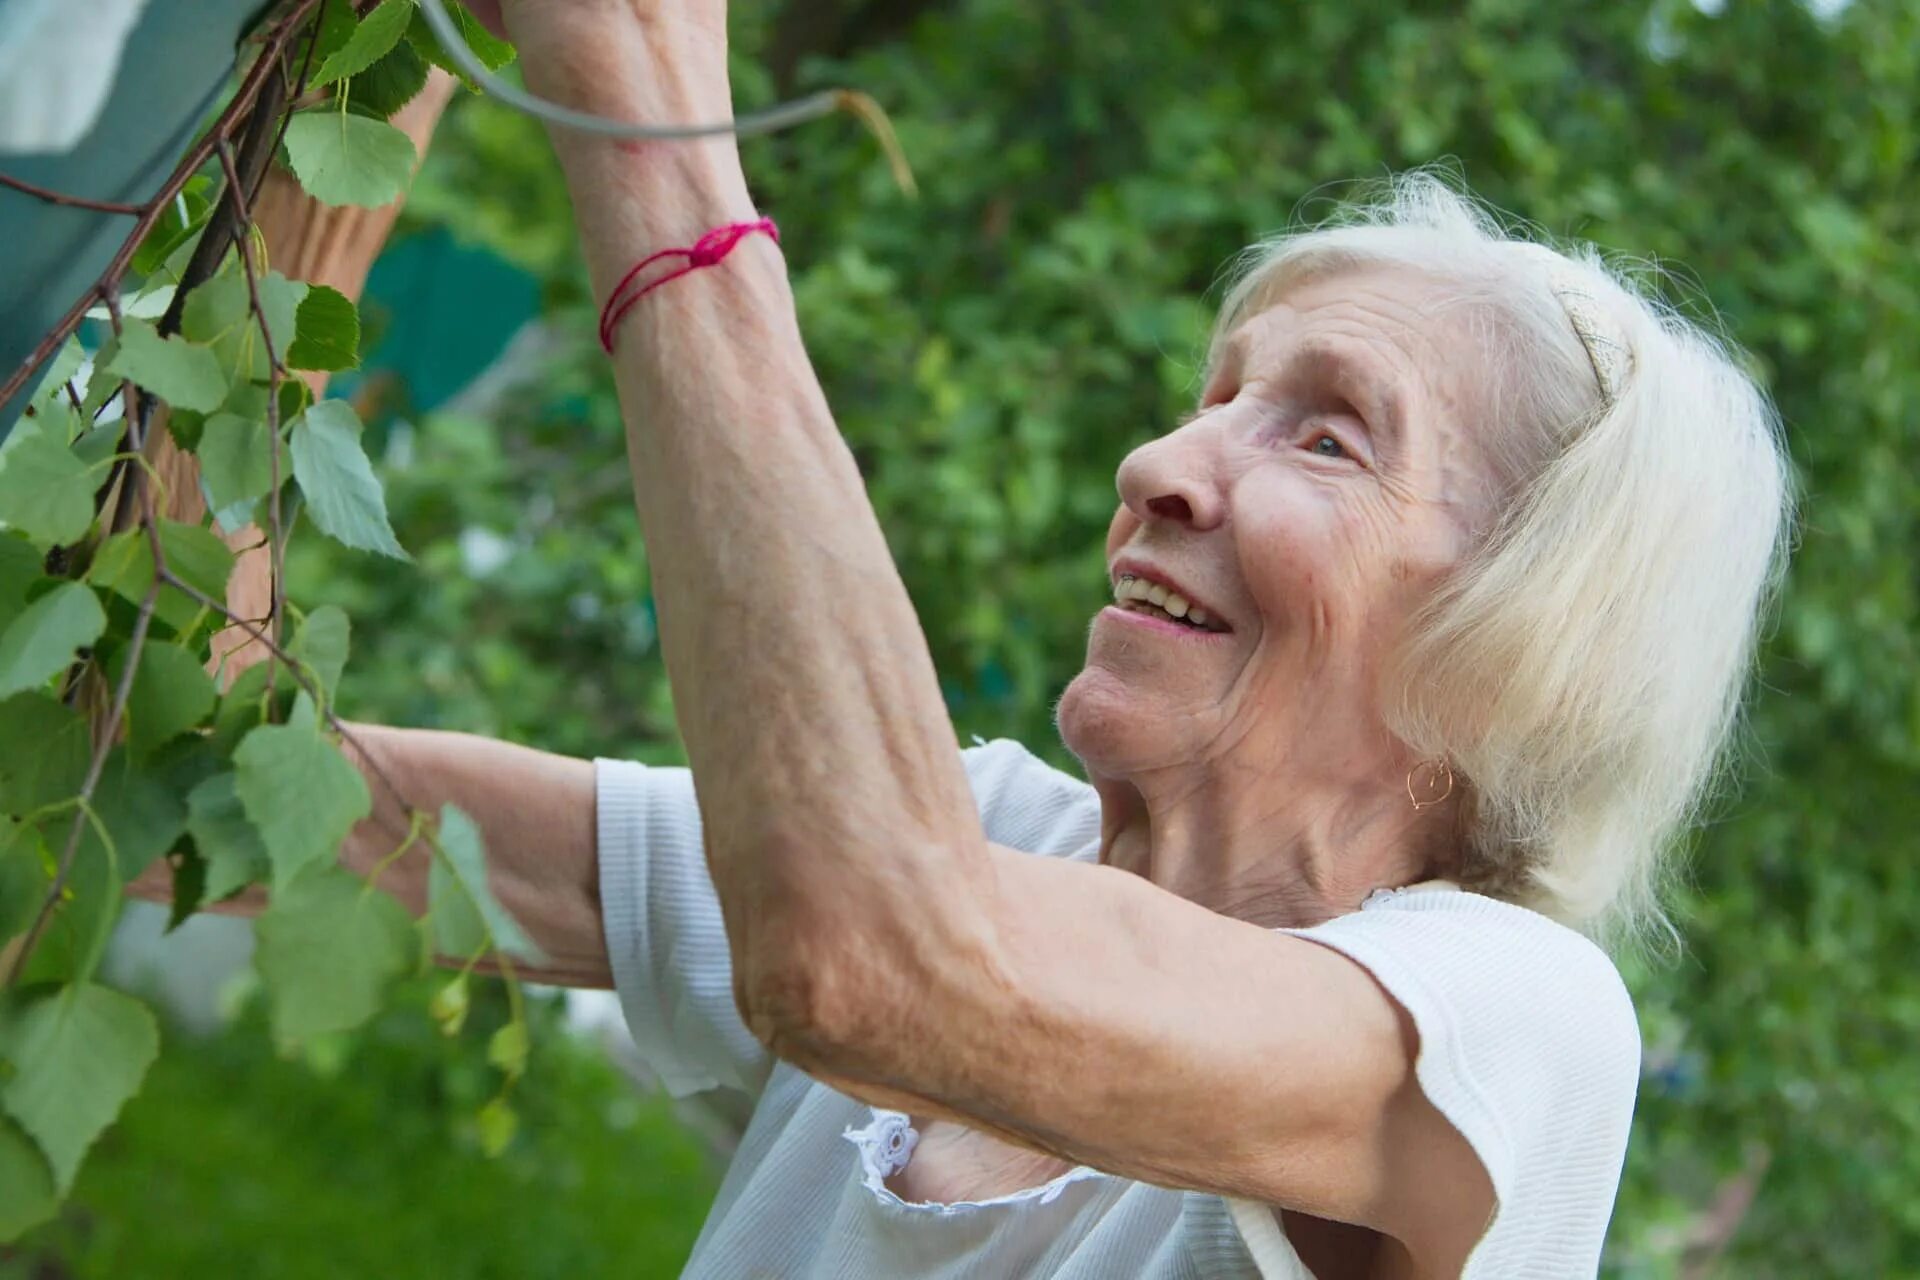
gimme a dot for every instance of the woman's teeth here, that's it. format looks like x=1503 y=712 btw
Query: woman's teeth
x=1132 y=591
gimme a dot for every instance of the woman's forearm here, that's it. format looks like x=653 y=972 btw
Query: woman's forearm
x=535 y=811
x=826 y=768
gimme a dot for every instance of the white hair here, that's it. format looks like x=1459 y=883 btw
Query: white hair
x=1582 y=670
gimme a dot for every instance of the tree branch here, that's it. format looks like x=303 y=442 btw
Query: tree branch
x=62 y=198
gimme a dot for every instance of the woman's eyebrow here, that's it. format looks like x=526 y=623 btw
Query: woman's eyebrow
x=1357 y=379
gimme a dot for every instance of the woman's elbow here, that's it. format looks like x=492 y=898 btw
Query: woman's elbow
x=811 y=1001
x=829 y=972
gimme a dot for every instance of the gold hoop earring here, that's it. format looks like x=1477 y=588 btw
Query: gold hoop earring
x=1436 y=787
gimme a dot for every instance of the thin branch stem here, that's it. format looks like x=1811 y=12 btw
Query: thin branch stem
x=243 y=245
x=294 y=87
x=71 y=201
x=416 y=824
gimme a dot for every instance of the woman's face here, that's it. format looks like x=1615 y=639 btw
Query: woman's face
x=1328 y=481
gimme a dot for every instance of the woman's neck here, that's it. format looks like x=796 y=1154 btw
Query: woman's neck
x=1274 y=846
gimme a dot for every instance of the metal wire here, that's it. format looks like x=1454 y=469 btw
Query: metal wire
x=782 y=116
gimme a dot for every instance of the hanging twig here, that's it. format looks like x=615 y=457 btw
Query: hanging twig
x=62 y=198
x=276 y=540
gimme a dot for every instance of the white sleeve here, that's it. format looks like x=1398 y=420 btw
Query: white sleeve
x=1530 y=1048
x=671 y=966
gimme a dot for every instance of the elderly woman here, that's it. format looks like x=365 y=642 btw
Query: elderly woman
x=1427 y=627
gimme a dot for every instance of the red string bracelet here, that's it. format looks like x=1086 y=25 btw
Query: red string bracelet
x=704 y=252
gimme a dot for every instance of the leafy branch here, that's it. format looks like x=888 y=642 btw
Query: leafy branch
x=241 y=107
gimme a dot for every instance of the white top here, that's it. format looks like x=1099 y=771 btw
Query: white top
x=1528 y=1045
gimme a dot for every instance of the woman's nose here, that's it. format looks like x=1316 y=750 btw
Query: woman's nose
x=1173 y=479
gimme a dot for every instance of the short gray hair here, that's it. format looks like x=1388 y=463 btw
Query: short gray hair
x=1583 y=670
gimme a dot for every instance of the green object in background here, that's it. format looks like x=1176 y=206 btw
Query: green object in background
x=441 y=311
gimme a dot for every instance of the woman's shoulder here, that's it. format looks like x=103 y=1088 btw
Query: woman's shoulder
x=1528 y=1045
x=1470 y=932
x=1488 y=959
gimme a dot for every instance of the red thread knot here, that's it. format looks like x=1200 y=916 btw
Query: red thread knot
x=709 y=249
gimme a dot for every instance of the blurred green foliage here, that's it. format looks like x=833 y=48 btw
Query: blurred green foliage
x=361 y=1157
x=993 y=349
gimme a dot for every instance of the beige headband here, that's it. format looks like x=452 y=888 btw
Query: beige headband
x=1606 y=346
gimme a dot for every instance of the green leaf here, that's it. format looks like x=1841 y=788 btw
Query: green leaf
x=300 y=792
x=171 y=231
x=171 y=693
x=194 y=553
x=23 y=876
x=245 y=704
x=448 y=1008
x=341 y=158
x=45 y=491
x=141 y=808
x=492 y=52
x=236 y=466
x=174 y=369
x=189 y=886
x=44 y=751
x=333 y=26
x=42 y=641
x=343 y=494
x=321 y=643
x=216 y=307
x=497 y=1124
x=229 y=843
x=20 y=568
x=102 y=384
x=65 y=363
x=77 y=932
x=389 y=84
x=78 y=1055
x=371 y=40
x=328 y=947
x=326 y=331
x=100 y=441
x=463 y=907
x=27 y=1194
x=220 y=314
x=507 y=1049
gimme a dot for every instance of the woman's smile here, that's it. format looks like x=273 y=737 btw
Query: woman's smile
x=1140 y=614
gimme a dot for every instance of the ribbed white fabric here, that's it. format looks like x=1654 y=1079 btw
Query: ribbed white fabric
x=1528 y=1045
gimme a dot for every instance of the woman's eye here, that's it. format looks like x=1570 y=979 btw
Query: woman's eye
x=1327 y=447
